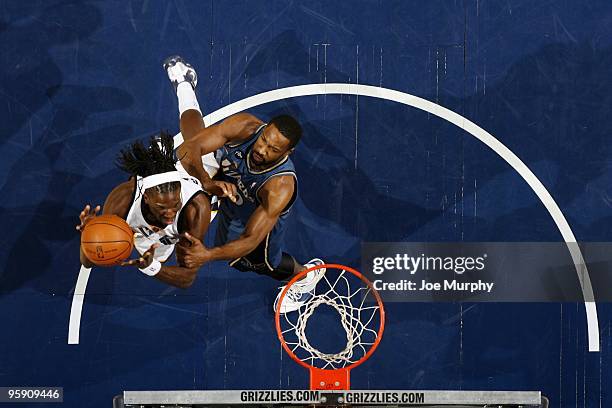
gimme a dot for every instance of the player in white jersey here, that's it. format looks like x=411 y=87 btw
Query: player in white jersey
x=146 y=234
x=159 y=203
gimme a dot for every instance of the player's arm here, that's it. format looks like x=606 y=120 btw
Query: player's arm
x=117 y=202
x=234 y=129
x=197 y=217
x=274 y=196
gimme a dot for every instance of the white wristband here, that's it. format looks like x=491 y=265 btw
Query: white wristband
x=152 y=269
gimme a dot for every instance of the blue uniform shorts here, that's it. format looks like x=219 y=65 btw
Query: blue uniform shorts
x=263 y=259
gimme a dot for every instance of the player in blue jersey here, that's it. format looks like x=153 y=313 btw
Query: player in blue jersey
x=258 y=179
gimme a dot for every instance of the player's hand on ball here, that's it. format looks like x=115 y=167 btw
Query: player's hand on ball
x=145 y=260
x=193 y=255
x=86 y=215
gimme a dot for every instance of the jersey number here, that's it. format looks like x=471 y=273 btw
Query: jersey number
x=165 y=240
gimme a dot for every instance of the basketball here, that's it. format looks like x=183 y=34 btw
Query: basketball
x=107 y=240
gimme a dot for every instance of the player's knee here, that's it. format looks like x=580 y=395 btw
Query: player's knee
x=280 y=274
x=191 y=123
x=285 y=268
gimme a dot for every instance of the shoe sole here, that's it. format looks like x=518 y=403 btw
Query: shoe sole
x=175 y=59
x=171 y=61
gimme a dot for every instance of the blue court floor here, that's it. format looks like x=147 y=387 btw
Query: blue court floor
x=81 y=79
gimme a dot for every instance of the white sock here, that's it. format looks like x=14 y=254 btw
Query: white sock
x=186 y=98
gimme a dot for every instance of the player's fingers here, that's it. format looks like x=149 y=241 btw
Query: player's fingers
x=226 y=192
x=189 y=238
x=229 y=193
x=130 y=262
x=85 y=216
x=84 y=221
x=187 y=261
x=149 y=254
x=153 y=247
x=233 y=192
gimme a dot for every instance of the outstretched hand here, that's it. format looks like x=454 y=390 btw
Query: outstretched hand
x=145 y=259
x=192 y=253
x=222 y=189
x=86 y=215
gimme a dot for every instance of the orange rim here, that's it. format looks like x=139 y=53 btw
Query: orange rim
x=381 y=327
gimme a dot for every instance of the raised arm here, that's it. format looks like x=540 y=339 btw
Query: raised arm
x=234 y=129
x=274 y=196
x=195 y=220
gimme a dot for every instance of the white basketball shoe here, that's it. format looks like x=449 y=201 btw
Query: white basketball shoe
x=179 y=70
x=301 y=291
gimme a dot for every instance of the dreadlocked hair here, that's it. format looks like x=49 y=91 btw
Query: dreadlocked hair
x=158 y=157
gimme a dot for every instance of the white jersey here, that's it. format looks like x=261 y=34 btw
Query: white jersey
x=145 y=234
x=210 y=164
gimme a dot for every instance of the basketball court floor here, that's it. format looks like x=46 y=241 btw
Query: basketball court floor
x=82 y=79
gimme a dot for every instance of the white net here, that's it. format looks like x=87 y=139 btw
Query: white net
x=352 y=301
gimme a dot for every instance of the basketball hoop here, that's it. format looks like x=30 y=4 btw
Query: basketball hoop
x=362 y=314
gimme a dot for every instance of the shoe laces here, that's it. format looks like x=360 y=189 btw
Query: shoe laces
x=293 y=294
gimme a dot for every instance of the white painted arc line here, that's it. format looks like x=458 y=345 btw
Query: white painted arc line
x=77 y=305
x=459 y=121
x=463 y=123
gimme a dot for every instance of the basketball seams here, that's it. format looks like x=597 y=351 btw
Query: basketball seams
x=120 y=239
x=91 y=223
